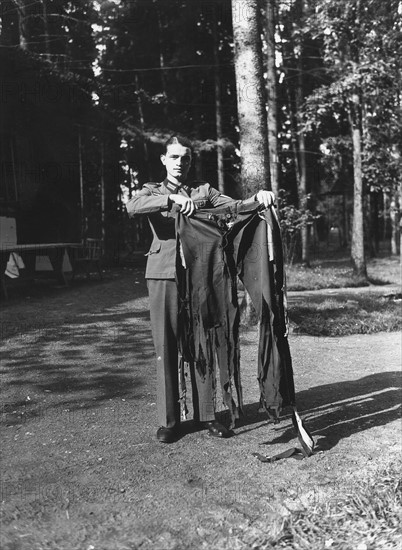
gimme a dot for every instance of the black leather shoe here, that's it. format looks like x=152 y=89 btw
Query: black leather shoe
x=166 y=435
x=216 y=429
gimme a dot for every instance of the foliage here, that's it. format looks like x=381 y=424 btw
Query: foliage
x=336 y=162
x=292 y=220
x=148 y=67
x=361 y=50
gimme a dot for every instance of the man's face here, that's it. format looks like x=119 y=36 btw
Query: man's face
x=177 y=161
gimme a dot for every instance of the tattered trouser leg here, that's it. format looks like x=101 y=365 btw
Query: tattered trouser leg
x=163 y=300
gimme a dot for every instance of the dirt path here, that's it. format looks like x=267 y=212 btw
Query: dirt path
x=80 y=465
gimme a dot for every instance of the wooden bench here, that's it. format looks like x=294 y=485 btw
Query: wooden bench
x=29 y=252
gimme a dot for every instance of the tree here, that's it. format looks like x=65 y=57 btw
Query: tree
x=361 y=53
x=302 y=175
x=250 y=96
x=251 y=105
x=272 y=95
x=218 y=106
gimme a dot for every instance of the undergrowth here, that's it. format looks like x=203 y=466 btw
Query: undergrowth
x=362 y=314
x=366 y=517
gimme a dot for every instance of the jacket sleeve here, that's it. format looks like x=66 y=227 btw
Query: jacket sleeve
x=217 y=199
x=148 y=201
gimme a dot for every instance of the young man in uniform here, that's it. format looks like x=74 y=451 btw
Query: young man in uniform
x=156 y=201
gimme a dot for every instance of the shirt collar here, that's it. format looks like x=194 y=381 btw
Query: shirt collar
x=174 y=187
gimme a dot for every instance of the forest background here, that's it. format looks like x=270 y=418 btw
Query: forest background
x=302 y=97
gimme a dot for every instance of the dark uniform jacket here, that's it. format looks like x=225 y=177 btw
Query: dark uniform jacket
x=153 y=200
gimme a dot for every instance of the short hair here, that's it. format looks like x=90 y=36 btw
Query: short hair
x=173 y=140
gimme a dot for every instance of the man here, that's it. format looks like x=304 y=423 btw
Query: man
x=156 y=201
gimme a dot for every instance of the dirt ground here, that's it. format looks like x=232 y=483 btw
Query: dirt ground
x=81 y=468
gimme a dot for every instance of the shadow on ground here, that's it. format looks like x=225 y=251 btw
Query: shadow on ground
x=339 y=410
x=78 y=348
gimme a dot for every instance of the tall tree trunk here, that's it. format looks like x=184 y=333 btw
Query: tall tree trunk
x=290 y=103
x=102 y=190
x=394 y=216
x=302 y=188
x=46 y=30
x=355 y=119
x=145 y=172
x=250 y=97
x=22 y=23
x=218 y=107
x=396 y=153
x=272 y=96
x=293 y=137
x=161 y=58
x=385 y=213
x=251 y=108
x=345 y=227
x=82 y=204
x=357 y=252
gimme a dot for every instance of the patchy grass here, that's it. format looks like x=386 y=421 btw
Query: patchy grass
x=338 y=273
x=343 y=315
x=364 y=517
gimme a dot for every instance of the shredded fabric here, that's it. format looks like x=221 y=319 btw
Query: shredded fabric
x=216 y=246
x=305 y=439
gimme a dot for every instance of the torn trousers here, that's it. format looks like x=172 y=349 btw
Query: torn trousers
x=213 y=248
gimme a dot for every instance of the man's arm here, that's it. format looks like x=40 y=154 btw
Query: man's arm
x=148 y=201
x=267 y=198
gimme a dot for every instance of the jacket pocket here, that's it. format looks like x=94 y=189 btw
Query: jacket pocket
x=155 y=248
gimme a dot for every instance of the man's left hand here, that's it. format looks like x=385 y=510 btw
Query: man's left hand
x=267 y=198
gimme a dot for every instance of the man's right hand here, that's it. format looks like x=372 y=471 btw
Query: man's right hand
x=187 y=205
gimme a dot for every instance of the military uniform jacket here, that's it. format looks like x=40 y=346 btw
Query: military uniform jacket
x=153 y=200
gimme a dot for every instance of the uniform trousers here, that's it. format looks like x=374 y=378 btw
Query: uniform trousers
x=163 y=305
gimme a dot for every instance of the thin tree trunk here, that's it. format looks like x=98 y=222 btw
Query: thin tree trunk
x=46 y=30
x=22 y=24
x=250 y=97
x=302 y=199
x=398 y=195
x=344 y=222
x=161 y=58
x=14 y=171
x=357 y=252
x=302 y=189
x=355 y=119
x=218 y=107
x=293 y=138
x=394 y=216
x=272 y=96
x=102 y=186
x=145 y=176
x=385 y=213
x=82 y=209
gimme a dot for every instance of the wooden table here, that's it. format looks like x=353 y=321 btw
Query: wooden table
x=28 y=252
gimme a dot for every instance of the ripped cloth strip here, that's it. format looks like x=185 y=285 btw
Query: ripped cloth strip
x=305 y=439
